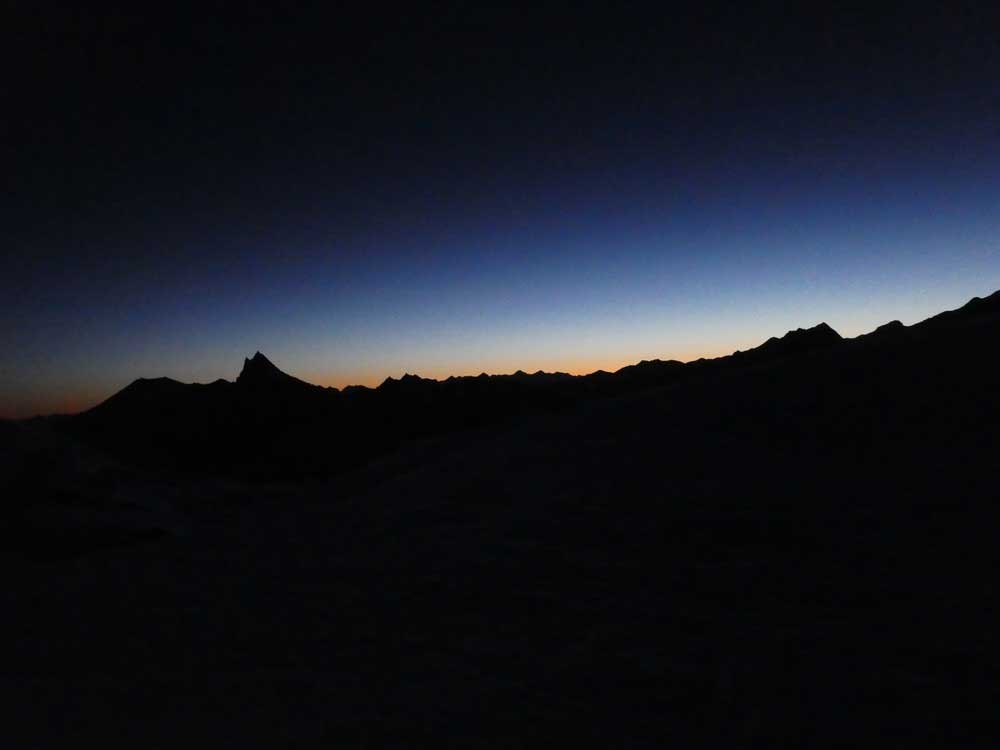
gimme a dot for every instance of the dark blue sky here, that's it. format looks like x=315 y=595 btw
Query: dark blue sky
x=448 y=193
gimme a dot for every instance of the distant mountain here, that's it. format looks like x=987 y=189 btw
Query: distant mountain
x=795 y=342
x=260 y=373
x=268 y=420
x=147 y=397
x=975 y=308
x=887 y=333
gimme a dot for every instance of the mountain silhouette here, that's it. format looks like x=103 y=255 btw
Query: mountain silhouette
x=270 y=421
x=795 y=342
x=766 y=537
x=260 y=373
x=974 y=309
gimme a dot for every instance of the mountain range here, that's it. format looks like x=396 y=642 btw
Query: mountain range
x=790 y=546
x=271 y=422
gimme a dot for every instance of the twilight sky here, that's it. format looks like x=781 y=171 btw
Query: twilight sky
x=460 y=191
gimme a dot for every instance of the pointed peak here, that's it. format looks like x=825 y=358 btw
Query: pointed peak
x=259 y=369
x=799 y=340
x=259 y=359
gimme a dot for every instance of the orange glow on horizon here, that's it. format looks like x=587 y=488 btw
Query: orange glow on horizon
x=80 y=401
x=577 y=367
x=68 y=404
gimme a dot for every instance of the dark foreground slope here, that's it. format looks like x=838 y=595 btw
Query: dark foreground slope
x=791 y=547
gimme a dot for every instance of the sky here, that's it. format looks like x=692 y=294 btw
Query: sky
x=459 y=190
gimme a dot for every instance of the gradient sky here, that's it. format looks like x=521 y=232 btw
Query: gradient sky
x=459 y=192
